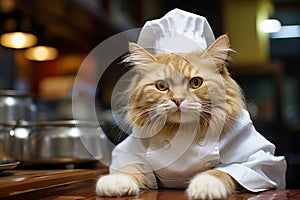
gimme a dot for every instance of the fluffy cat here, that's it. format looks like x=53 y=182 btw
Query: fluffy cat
x=169 y=94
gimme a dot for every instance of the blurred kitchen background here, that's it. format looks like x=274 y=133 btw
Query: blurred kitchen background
x=266 y=65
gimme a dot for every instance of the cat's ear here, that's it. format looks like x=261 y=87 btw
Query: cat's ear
x=219 y=51
x=138 y=55
x=220 y=48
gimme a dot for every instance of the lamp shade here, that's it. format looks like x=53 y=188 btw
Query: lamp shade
x=41 y=53
x=18 y=40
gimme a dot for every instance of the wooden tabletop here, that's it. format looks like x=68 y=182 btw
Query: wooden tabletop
x=80 y=184
x=14 y=182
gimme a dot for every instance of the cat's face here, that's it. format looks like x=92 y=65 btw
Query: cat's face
x=172 y=88
x=179 y=88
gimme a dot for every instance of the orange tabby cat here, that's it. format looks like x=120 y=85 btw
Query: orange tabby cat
x=173 y=96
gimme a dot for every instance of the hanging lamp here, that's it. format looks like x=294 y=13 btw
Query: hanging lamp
x=41 y=53
x=18 y=40
x=16 y=32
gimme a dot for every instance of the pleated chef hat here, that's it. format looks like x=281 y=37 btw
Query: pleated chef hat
x=176 y=32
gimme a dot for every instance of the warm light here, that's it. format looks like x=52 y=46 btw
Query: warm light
x=41 y=53
x=270 y=26
x=18 y=40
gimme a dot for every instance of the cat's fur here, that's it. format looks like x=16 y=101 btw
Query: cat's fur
x=196 y=107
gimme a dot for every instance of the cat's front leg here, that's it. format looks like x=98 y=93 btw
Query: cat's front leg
x=212 y=184
x=126 y=181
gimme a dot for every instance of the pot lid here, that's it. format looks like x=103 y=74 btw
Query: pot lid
x=13 y=93
x=59 y=123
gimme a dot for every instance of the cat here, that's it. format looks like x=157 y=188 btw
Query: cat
x=170 y=95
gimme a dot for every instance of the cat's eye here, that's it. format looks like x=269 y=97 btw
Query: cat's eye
x=161 y=85
x=195 y=82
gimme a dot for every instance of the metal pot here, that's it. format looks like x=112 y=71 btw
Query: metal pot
x=58 y=142
x=16 y=105
x=8 y=141
x=5 y=140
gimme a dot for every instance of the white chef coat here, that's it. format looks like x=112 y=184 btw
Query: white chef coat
x=241 y=152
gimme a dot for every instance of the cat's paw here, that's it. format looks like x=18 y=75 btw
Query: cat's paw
x=206 y=186
x=116 y=185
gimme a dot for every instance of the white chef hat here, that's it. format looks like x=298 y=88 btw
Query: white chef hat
x=176 y=32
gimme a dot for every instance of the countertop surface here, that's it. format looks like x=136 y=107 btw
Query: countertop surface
x=76 y=184
x=14 y=182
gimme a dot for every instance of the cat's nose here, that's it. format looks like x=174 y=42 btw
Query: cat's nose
x=177 y=101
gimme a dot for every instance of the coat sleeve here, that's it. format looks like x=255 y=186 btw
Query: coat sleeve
x=132 y=151
x=249 y=158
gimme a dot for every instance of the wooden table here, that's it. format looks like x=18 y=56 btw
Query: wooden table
x=80 y=184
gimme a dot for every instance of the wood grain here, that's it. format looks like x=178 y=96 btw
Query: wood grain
x=80 y=184
x=15 y=182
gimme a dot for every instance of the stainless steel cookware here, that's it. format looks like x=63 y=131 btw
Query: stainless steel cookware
x=5 y=140
x=56 y=141
x=16 y=105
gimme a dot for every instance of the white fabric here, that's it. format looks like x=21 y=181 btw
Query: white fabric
x=241 y=152
x=176 y=32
